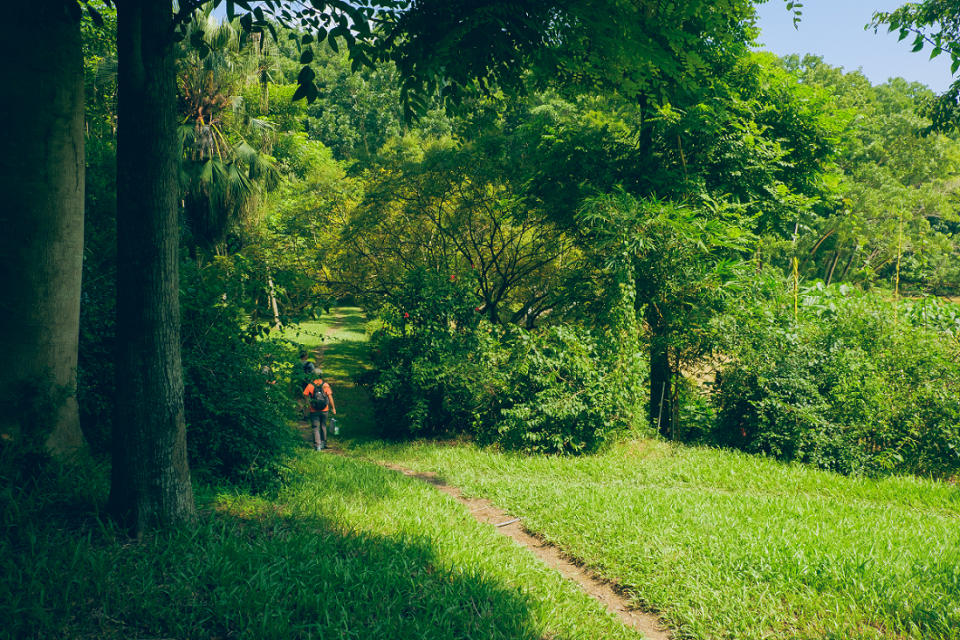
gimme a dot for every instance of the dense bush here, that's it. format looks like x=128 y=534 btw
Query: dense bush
x=429 y=369
x=562 y=393
x=857 y=383
x=441 y=368
x=237 y=413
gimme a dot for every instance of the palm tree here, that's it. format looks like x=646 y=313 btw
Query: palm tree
x=222 y=175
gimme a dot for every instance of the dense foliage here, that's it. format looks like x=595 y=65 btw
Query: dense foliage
x=442 y=368
x=856 y=383
x=562 y=392
x=237 y=404
x=550 y=260
x=429 y=377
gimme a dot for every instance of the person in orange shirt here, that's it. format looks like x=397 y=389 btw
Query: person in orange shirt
x=320 y=400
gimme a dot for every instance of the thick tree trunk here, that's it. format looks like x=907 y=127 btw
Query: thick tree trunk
x=150 y=484
x=41 y=217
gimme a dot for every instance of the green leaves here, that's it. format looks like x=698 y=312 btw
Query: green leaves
x=796 y=8
x=306 y=88
x=847 y=387
x=937 y=23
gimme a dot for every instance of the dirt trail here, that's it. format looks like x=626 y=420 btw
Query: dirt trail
x=593 y=585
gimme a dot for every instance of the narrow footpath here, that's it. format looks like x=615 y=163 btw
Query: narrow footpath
x=607 y=593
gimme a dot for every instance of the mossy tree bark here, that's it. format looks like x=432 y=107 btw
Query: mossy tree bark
x=41 y=226
x=150 y=482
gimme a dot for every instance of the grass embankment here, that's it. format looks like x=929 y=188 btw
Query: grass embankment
x=345 y=549
x=727 y=545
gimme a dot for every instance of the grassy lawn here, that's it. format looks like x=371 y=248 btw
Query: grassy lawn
x=723 y=545
x=726 y=545
x=343 y=549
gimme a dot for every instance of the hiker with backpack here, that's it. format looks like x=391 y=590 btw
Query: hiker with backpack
x=320 y=400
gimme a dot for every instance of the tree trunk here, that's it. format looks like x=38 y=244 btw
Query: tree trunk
x=273 y=304
x=42 y=173
x=661 y=393
x=661 y=377
x=833 y=265
x=150 y=482
x=853 y=254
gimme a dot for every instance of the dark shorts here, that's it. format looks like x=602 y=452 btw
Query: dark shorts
x=318 y=418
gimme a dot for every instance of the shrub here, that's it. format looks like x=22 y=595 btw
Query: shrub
x=856 y=385
x=237 y=414
x=441 y=368
x=429 y=375
x=562 y=393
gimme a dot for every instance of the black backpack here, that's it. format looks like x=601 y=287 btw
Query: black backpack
x=319 y=400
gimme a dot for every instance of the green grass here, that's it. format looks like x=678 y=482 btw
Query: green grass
x=344 y=341
x=727 y=545
x=723 y=545
x=345 y=550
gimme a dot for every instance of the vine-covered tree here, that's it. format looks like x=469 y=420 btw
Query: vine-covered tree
x=680 y=260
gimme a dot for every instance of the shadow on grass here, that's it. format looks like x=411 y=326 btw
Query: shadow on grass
x=343 y=359
x=252 y=569
x=302 y=577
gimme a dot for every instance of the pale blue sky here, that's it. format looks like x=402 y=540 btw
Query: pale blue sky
x=833 y=29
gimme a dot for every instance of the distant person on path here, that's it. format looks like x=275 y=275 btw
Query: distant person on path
x=320 y=400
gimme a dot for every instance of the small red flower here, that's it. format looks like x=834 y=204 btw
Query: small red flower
x=453 y=277
x=406 y=315
x=476 y=308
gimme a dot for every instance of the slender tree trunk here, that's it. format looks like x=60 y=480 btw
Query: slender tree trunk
x=833 y=266
x=150 y=483
x=661 y=377
x=273 y=304
x=853 y=254
x=661 y=392
x=42 y=175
